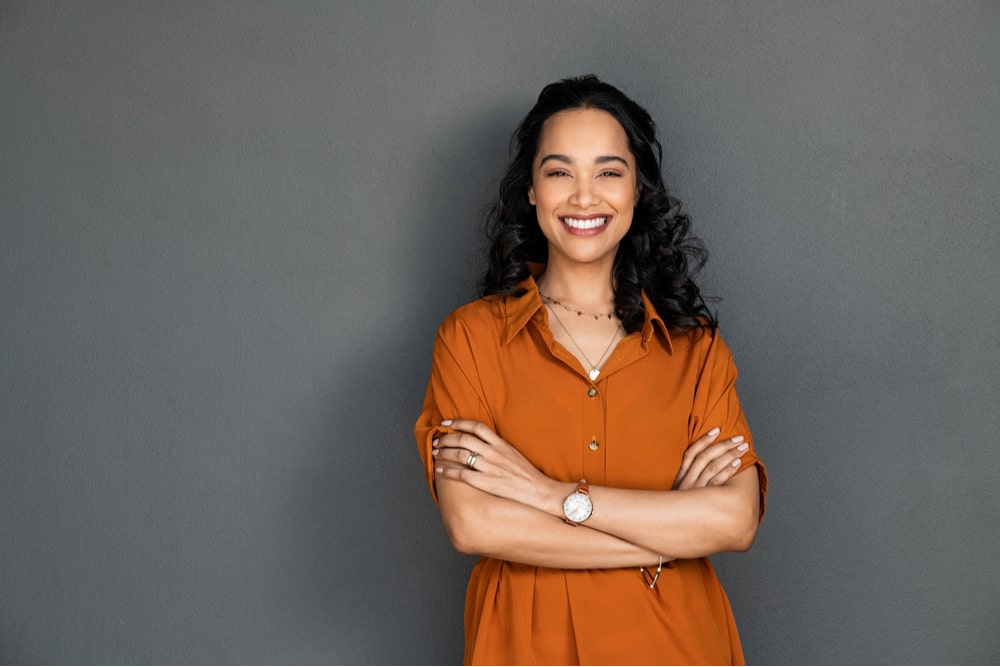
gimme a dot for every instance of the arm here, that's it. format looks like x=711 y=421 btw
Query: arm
x=507 y=509
x=710 y=510
x=481 y=523
x=685 y=523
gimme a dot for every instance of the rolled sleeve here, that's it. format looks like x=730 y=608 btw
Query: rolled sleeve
x=453 y=391
x=716 y=404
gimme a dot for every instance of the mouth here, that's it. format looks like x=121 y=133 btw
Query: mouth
x=585 y=224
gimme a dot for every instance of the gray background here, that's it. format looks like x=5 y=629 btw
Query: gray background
x=228 y=232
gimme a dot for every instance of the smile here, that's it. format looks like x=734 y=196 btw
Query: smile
x=590 y=223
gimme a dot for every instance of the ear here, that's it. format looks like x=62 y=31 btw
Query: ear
x=531 y=194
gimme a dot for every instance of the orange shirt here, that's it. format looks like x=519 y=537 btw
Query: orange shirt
x=495 y=361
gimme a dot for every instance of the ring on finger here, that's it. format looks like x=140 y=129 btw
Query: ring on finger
x=470 y=462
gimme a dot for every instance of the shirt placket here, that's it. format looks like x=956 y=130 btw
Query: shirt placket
x=593 y=430
x=596 y=441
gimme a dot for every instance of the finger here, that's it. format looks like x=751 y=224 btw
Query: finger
x=465 y=425
x=721 y=469
x=452 y=471
x=444 y=463
x=447 y=470
x=481 y=438
x=461 y=441
x=724 y=475
x=709 y=456
x=695 y=466
x=472 y=427
x=459 y=456
x=503 y=458
x=697 y=447
x=721 y=477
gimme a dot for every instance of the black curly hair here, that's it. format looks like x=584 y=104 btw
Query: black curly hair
x=657 y=254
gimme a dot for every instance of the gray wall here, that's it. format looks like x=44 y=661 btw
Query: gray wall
x=228 y=232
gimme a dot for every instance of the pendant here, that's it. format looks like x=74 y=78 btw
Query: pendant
x=593 y=374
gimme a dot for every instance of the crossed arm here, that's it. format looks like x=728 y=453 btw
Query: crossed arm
x=506 y=508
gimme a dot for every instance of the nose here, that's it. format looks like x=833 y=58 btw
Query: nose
x=585 y=193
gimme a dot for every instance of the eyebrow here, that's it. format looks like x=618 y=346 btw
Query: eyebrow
x=602 y=159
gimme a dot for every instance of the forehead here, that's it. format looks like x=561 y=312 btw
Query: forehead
x=583 y=132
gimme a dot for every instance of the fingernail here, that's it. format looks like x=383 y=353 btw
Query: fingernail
x=736 y=464
x=438 y=469
x=434 y=452
x=743 y=447
x=434 y=442
x=738 y=438
x=446 y=422
x=714 y=431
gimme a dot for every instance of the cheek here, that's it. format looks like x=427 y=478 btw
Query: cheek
x=627 y=197
x=543 y=197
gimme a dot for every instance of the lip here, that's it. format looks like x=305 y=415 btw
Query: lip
x=585 y=220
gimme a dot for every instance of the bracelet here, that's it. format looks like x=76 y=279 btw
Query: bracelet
x=651 y=579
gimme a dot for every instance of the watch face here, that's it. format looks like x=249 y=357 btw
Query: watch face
x=577 y=507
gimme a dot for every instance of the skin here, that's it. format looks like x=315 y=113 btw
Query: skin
x=583 y=169
x=506 y=508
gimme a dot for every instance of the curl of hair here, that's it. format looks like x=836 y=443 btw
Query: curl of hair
x=658 y=254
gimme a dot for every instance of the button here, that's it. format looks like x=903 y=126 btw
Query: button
x=593 y=445
x=592 y=392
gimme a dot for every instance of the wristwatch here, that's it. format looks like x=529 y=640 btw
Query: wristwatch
x=578 y=506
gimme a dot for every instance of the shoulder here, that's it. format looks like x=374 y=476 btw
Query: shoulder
x=476 y=319
x=704 y=342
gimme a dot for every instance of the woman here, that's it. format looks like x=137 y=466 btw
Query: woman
x=581 y=431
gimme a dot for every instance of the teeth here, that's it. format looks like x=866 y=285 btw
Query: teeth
x=584 y=224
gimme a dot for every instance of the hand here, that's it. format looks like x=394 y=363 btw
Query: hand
x=710 y=463
x=498 y=468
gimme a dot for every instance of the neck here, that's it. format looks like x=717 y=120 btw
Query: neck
x=585 y=286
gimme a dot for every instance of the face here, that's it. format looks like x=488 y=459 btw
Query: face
x=584 y=186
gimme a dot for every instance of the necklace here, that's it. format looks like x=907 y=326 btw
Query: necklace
x=594 y=370
x=596 y=316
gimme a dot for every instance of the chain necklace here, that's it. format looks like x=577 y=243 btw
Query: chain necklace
x=594 y=370
x=596 y=316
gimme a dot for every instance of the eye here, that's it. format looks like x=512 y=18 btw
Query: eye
x=557 y=172
x=610 y=174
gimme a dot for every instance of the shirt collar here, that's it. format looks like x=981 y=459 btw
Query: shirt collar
x=519 y=310
x=647 y=326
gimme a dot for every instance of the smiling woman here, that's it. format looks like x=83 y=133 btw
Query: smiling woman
x=581 y=430
x=583 y=189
